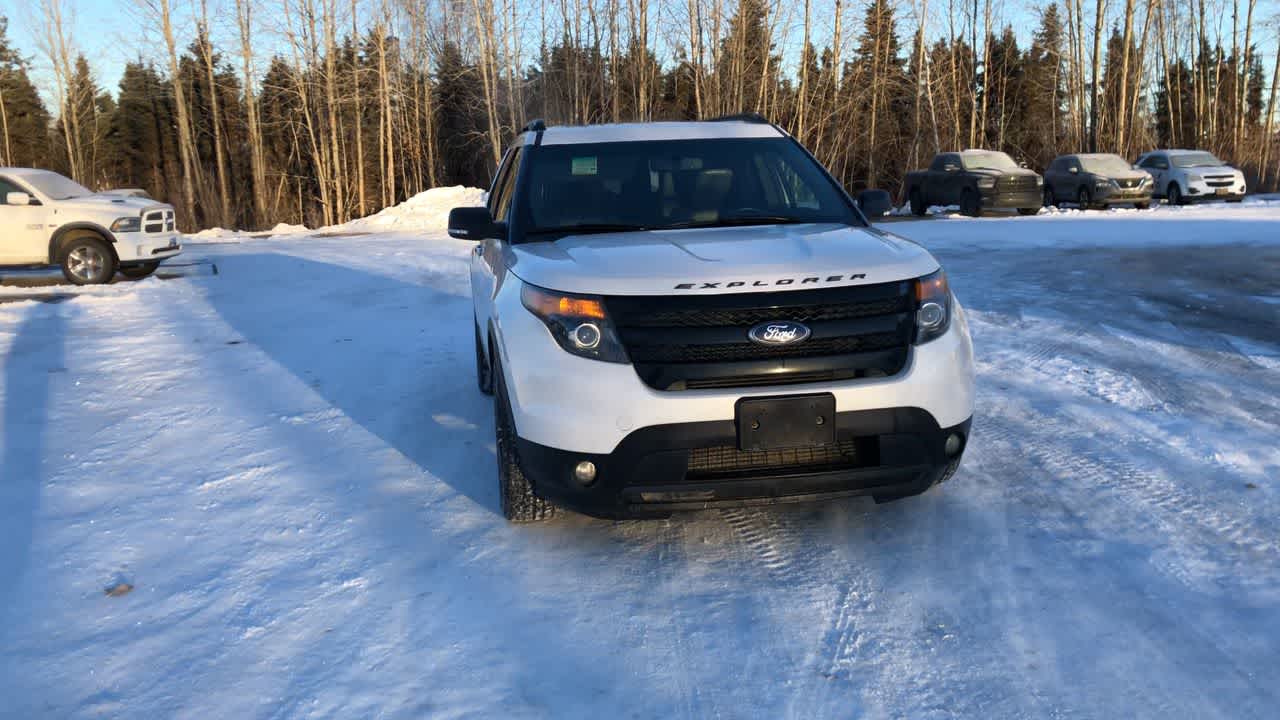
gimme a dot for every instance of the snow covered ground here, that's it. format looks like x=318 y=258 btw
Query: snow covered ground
x=289 y=463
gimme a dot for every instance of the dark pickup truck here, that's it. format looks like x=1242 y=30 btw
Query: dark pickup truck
x=976 y=180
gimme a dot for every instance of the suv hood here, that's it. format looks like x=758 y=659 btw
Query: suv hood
x=720 y=260
x=1214 y=170
x=992 y=172
x=102 y=201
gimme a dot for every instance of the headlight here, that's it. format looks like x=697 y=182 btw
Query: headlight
x=1039 y=181
x=1145 y=181
x=1102 y=183
x=1193 y=177
x=127 y=224
x=933 y=307
x=986 y=183
x=579 y=323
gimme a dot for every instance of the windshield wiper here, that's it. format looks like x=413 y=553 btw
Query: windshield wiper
x=742 y=220
x=586 y=228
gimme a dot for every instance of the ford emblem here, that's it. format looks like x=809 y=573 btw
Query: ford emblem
x=778 y=332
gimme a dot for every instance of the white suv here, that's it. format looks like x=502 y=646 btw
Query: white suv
x=1183 y=176
x=48 y=219
x=679 y=315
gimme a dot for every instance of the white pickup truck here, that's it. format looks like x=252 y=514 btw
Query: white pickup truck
x=47 y=219
x=680 y=315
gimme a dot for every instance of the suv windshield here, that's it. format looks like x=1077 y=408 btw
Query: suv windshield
x=1104 y=164
x=987 y=161
x=1196 y=159
x=653 y=185
x=55 y=186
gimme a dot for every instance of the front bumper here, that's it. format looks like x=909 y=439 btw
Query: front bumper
x=891 y=453
x=1022 y=199
x=136 y=248
x=1110 y=195
x=1201 y=190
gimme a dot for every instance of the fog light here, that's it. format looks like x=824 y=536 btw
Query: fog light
x=953 y=445
x=585 y=472
x=586 y=336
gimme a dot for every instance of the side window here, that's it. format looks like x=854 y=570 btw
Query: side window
x=1155 y=161
x=1055 y=166
x=938 y=162
x=7 y=187
x=507 y=189
x=499 y=180
x=1073 y=164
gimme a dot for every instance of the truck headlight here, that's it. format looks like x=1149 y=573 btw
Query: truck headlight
x=933 y=307
x=1039 y=181
x=127 y=224
x=579 y=323
x=986 y=183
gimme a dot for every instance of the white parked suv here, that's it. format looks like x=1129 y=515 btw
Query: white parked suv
x=679 y=315
x=47 y=219
x=1183 y=176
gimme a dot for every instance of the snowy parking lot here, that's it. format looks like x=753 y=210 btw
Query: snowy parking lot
x=285 y=474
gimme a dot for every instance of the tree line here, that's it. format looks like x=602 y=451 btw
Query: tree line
x=319 y=111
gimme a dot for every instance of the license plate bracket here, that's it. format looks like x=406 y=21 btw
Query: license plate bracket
x=787 y=421
x=1222 y=191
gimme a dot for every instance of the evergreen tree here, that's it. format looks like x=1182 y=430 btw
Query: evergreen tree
x=24 y=120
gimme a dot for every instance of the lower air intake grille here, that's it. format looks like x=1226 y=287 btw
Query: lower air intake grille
x=726 y=461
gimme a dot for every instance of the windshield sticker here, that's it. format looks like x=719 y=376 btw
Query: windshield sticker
x=584 y=165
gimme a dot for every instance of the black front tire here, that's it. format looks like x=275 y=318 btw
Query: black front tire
x=137 y=272
x=1050 y=200
x=1142 y=205
x=971 y=204
x=1028 y=211
x=918 y=208
x=515 y=492
x=1174 y=193
x=87 y=260
x=1084 y=199
x=484 y=370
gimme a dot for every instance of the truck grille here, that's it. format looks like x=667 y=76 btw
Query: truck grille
x=1016 y=183
x=156 y=221
x=700 y=341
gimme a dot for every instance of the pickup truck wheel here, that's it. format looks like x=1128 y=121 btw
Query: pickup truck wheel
x=515 y=492
x=484 y=373
x=137 y=272
x=1084 y=198
x=971 y=204
x=87 y=260
x=918 y=208
x=1050 y=200
x=1174 y=193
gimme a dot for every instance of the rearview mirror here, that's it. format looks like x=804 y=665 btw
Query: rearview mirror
x=19 y=198
x=875 y=203
x=474 y=223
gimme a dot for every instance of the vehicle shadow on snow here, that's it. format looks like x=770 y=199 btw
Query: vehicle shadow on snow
x=387 y=354
x=33 y=358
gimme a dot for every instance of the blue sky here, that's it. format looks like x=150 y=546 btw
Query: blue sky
x=107 y=31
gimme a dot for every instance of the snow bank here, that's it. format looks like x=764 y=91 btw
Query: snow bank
x=426 y=212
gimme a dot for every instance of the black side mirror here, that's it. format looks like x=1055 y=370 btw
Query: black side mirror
x=875 y=203
x=474 y=223
x=1074 y=170
x=950 y=167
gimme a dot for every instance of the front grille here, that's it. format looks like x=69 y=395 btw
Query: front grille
x=155 y=221
x=1016 y=183
x=1219 y=180
x=700 y=341
x=727 y=461
x=1131 y=183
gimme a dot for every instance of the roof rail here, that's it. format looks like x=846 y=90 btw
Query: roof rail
x=535 y=126
x=750 y=117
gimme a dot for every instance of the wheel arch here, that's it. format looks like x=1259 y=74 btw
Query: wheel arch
x=79 y=229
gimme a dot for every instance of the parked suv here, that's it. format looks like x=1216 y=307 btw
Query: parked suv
x=1096 y=180
x=678 y=315
x=1183 y=176
x=48 y=219
x=975 y=180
